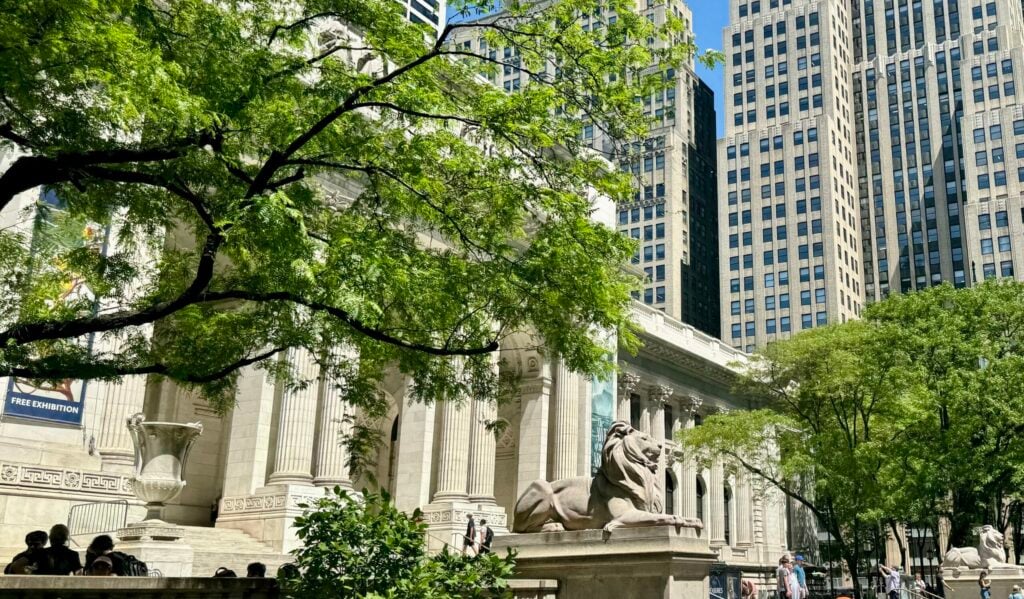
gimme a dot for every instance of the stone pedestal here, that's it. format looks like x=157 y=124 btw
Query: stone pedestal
x=632 y=563
x=160 y=545
x=446 y=523
x=964 y=581
x=269 y=514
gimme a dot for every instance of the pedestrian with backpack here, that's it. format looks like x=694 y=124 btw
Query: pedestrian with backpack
x=123 y=564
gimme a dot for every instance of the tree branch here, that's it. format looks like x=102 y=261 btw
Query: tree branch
x=30 y=332
x=351 y=321
x=107 y=370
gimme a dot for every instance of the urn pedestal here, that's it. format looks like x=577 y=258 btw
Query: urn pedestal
x=161 y=453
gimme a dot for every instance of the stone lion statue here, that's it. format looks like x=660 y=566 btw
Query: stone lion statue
x=989 y=554
x=625 y=492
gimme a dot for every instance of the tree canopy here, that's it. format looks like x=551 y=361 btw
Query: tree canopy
x=908 y=415
x=362 y=547
x=316 y=173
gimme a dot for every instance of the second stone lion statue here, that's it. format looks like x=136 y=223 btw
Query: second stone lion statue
x=625 y=491
x=989 y=554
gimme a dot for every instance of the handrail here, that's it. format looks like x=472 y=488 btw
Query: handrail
x=97 y=517
x=916 y=593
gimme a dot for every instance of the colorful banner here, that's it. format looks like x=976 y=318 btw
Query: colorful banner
x=56 y=231
x=57 y=403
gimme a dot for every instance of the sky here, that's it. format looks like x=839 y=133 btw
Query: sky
x=709 y=18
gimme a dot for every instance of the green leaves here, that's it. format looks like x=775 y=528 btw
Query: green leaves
x=362 y=547
x=322 y=174
x=906 y=415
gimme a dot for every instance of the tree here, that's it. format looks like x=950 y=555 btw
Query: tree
x=362 y=547
x=833 y=402
x=965 y=344
x=317 y=174
x=908 y=415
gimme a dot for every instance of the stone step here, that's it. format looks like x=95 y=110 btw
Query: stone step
x=205 y=564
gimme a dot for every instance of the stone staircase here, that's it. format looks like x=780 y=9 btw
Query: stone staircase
x=230 y=548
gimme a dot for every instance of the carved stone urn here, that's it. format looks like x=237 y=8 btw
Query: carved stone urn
x=161 y=451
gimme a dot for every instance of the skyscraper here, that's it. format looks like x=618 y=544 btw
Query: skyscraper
x=673 y=212
x=431 y=12
x=927 y=90
x=935 y=83
x=790 y=233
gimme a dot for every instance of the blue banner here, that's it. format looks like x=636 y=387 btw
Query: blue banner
x=57 y=403
x=602 y=414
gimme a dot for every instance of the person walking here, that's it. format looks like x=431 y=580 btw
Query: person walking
x=893 y=584
x=469 y=539
x=485 y=537
x=1016 y=592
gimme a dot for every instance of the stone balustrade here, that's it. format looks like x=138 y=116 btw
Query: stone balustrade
x=96 y=587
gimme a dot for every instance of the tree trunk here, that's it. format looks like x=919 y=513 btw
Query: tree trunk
x=851 y=563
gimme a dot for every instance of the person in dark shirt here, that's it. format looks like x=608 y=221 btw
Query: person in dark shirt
x=103 y=545
x=62 y=559
x=33 y=559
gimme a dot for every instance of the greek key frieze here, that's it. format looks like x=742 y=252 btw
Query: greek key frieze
x=39 y=477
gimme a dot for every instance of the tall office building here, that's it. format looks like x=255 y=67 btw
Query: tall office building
x=935 y=88
x=431 y=12
x=790 y=235
x=672 y=213
x=938 y=163
x=992 y=131
x=700 y=301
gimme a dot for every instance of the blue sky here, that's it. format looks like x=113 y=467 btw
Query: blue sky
x=709 y=18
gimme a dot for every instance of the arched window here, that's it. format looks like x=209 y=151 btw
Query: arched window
x=670 y=492
x=727 y=494
x=700 y=499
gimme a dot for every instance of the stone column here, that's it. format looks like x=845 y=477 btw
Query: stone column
x=688 y=479
x=658 y=395
x=293 y=458
x=533 y=432
x=120 y=400
x=415 y=451
x=331 y=466
x=482 y=452
x=645 y=416
x=626 y=383
x=744 y=511
x=565 y=444
x=249 y=450
x=716 y=500
x=453 y=455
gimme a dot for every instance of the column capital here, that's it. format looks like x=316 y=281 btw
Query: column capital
x=693 y=403
x=627 y=382
x=659 y=393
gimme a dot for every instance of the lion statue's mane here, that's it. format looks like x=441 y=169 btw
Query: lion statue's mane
x=989 y=554
x=625 y=491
